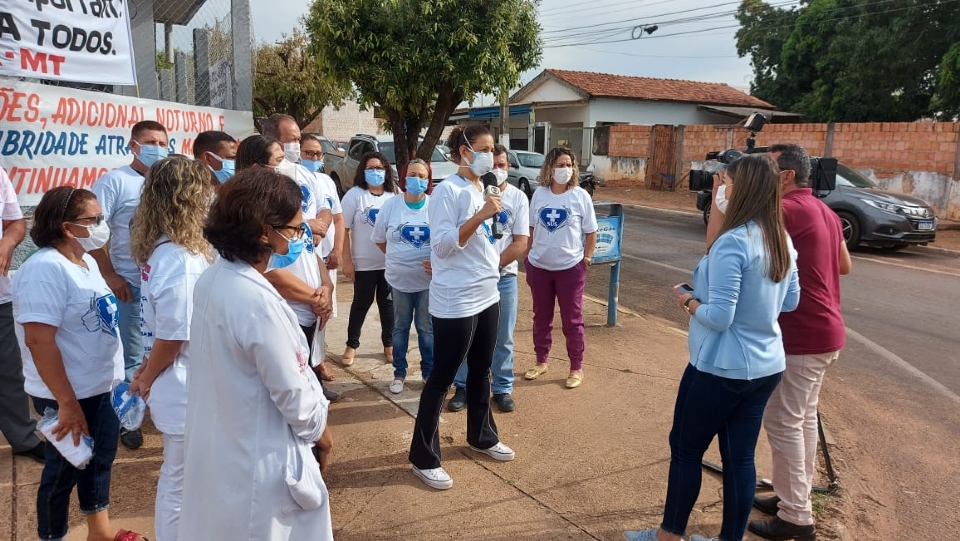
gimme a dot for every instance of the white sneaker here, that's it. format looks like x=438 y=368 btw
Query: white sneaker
x=498 y=452
x=434 y=478
x=396 y=387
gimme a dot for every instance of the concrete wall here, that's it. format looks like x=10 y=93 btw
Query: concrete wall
x=916 y=158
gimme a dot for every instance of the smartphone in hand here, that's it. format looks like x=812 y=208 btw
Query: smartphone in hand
x=683 y=289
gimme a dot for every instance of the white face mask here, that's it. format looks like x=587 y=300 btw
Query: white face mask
x=482 y=162
x=291 y=151
x=501 y=175
x=721 y=199
x=562 y=175
x=99 y=235
x=287 y=168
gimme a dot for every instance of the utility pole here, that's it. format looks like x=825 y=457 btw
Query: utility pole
x=505 y=117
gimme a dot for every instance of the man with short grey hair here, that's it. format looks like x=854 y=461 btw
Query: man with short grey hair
x=813 y=336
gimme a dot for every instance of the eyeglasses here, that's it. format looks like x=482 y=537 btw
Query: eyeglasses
x=376 y=168
x=785 y=171
x=312 y=154
x=92 y=220
x=298 y=231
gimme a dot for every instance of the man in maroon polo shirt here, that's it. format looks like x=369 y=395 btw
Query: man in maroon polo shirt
x=813 y=336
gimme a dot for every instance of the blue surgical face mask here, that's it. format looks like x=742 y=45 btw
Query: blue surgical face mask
x=294 y=249
x=227 y=168
x=312 y=166
x=151 y=154
x=374 y=177
x=417 y=185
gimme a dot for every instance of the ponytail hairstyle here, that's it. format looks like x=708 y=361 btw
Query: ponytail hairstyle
x=468 y=136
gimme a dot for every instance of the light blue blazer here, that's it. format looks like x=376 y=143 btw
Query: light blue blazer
x=734 y=333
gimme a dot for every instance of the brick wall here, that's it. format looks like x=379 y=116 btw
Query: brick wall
x=630 y=141
x=917 y=158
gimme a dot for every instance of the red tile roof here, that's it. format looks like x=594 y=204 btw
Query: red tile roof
x=605 y=85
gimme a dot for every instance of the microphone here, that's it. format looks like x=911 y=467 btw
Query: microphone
x=492 y=188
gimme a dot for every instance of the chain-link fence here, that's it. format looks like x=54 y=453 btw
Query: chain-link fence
x=195 y=51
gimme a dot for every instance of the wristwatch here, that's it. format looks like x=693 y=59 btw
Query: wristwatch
x=589 y=261
x=686 y=304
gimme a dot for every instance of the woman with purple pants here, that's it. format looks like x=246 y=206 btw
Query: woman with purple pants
x=563 y=235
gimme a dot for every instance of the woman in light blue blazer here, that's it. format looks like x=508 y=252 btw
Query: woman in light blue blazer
x=747 y=278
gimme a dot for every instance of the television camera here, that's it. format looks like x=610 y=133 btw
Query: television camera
x=823 y=171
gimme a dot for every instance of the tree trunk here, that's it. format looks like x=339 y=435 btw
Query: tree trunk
x=395 y=118
x=447 y=101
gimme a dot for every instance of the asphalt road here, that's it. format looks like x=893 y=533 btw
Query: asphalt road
x=902 y=309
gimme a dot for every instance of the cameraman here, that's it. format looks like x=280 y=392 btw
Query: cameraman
x=813 y=336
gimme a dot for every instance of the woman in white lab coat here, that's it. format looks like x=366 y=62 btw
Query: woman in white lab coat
x=255 y=409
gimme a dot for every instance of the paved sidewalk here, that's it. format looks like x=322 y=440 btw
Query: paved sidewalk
x=590 y=463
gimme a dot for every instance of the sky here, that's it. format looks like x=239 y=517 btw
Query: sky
x=699 y=50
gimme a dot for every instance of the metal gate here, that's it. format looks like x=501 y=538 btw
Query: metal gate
x=662 y=165
x=578 y=139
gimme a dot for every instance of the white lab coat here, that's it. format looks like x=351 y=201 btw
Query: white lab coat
x=254 y=407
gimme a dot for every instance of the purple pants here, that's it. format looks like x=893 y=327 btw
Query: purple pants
x=566 y=287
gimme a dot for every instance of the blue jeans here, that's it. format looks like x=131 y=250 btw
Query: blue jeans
x=59 y=476
x=412 y=308
x=501 y=370
x=709 y=406
x=130 y=333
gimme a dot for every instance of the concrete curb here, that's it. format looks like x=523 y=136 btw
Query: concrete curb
x=942 y=251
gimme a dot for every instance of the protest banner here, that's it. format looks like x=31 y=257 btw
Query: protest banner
x=67 y=40
x=53 y=136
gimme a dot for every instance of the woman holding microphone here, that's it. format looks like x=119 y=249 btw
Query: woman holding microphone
x=464 y=303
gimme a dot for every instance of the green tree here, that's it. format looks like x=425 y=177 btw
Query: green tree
x=419 y=59
x=851 y=60
x=289 y=80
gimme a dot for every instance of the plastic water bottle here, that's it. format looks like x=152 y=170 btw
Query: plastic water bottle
x=129 y=407
x=78 y=455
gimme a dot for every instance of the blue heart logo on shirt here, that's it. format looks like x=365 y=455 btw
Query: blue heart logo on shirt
x=306 y=198
x=553 y=219
x=370 y=215
x=103 y=316
x=417 y=236
x=308 y=237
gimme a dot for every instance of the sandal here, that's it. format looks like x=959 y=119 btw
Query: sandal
x=324 y=374
x=127 y=535
x=536 y=371
x=347 y=358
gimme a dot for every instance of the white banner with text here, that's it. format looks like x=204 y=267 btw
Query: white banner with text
x=84 y=41
x=53 y=136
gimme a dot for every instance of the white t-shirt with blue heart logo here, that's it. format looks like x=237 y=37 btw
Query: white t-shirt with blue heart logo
x=360 y=210
x=407 y=234
x=515 y=218
x=49 y=289
x=559 y=223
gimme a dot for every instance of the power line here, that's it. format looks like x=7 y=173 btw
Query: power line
x=654 y=20
x=691 y=57
x=707 y=31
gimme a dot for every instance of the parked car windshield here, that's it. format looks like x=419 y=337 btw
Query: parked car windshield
x=531 y=159
x=848 y=178
x=387 y=150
